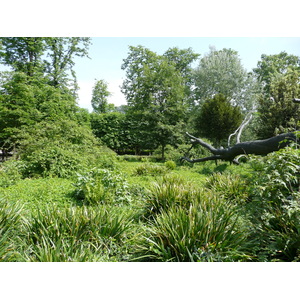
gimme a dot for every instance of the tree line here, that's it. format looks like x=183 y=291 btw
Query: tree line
x=166 y=95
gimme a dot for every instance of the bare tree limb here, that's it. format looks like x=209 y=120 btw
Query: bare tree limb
x=257 y=147
x=239 y=131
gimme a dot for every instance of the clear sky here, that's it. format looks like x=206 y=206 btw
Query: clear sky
x=107 y=54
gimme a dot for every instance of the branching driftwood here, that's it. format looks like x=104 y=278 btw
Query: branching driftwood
x=258 y=147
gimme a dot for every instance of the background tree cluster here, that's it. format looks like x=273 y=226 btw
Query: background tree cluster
x=167 y=94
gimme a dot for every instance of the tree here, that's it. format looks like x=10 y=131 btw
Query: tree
x=217 y=118
x=270 y=65
x=222 y=72
x=52 y=57
x=23 y=54
x=99 y=97
x=155 y=92
x=277 y=113
x=25 y=102
x=183 y=58
x=61 y=52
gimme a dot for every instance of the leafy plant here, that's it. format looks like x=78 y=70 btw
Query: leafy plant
x=230 y=186
x=206 y=231
x=10 y=220
x=74 y=233
x=102 y=186
x=149 y=169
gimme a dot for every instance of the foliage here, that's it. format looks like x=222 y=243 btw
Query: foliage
x=155 y=93
x=277 y=112
x=149 y=169
x=222 y=72
x=206 y=231
x=74 y=233
x=10 y=172
x=271 y=65
x=60 y=149
x=99 y=97
x=10 y=219
x=102 y=186
x=170 y=164
x=25 y=102
x=276 y=198
x=217 y=118
x=231 y=187
x=51 y=57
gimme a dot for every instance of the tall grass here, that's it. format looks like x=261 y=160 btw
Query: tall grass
x=74 y=233
x=190 y=224
x=10 y=221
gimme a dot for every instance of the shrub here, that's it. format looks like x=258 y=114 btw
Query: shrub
x=150 y=169
x=230 y=186
x=206 y=231
x=10 y=172
x=276 y=205
x=102 y=186
x=170 y=190
x=170 y=165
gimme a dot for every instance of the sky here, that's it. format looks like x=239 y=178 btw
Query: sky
x=107 y=55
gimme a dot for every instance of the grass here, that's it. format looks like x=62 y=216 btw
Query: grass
x=145 y=211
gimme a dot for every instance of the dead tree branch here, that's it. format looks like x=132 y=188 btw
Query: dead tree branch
x=257 y=147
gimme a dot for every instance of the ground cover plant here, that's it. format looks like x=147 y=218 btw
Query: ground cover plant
x=193 y=213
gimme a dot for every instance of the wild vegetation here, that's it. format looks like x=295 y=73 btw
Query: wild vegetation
x=110 y=185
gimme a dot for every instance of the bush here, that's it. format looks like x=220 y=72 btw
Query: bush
x=62 y=149
x=206 y=231
x=10 y=172
x=170 y=190
x=149 y=169
x=170 y=165
x=229 y=186
x=102 y=186
x=10 y=220
x=276 y=206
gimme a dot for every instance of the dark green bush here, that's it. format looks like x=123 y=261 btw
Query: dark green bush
x=276 y=206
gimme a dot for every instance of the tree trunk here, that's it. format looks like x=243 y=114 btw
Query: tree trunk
x=257 y=147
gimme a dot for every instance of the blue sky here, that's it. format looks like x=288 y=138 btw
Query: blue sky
x=107 y=54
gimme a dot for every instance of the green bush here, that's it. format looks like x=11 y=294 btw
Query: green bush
x=149 y=169
x=10 y=172
x=206 y=231
x=170 y=190
x=276 y=206
x=102 y=186
x=170 y=165
x=61 y=149
x=230 y=186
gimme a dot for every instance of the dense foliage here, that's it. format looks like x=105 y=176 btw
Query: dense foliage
x=66 y=195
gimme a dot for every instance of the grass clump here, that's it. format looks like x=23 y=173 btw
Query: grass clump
x=206 y=231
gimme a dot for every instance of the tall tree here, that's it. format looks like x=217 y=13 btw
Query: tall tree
x=99 y=97
x=277 y=113
x=183 y=59
x=23 y=54
x=154 y=90
x=222 y=72
x=270 y=65
x=61 y=51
